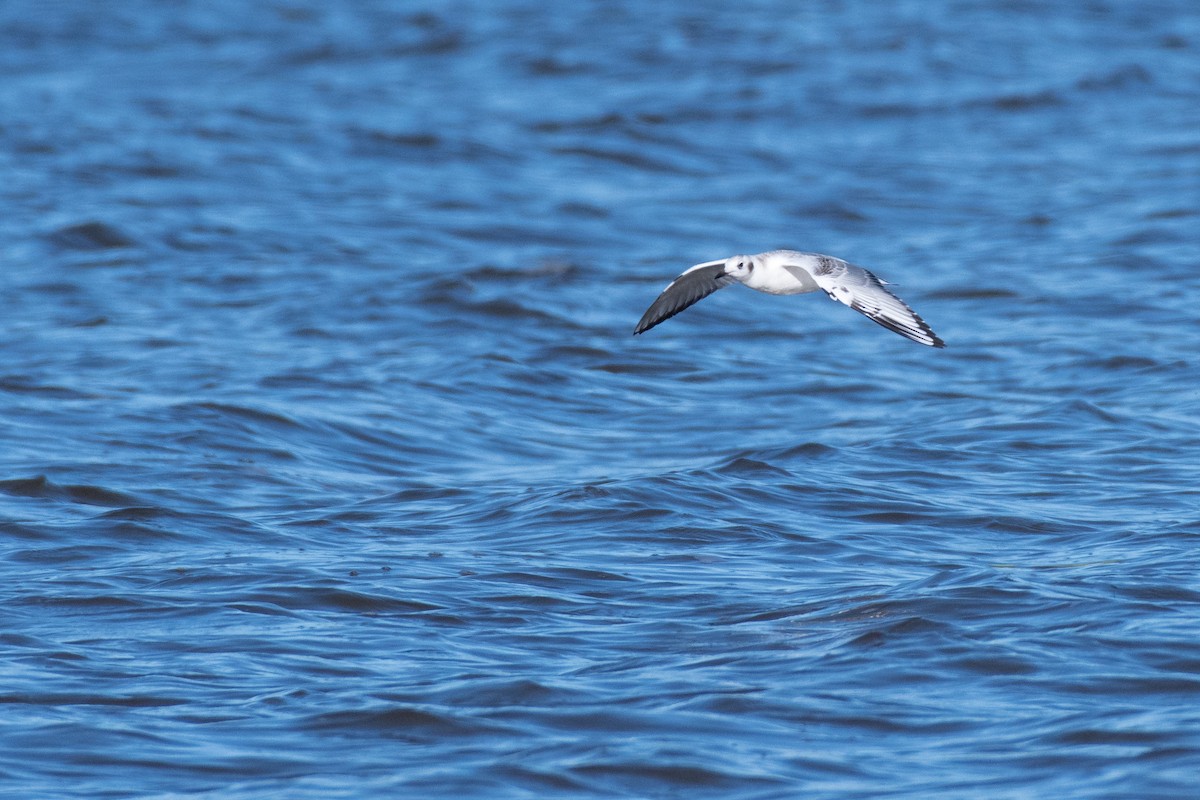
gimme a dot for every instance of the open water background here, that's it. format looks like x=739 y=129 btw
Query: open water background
x=329 y=467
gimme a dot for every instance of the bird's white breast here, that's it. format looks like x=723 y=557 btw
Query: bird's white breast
x=777 y=273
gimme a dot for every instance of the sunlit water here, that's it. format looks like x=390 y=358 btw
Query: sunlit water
x=330 y=468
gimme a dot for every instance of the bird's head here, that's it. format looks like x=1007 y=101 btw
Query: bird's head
x=739 y=266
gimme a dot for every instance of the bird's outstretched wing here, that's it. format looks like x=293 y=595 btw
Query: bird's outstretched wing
x=689 y=288
x=862 y=291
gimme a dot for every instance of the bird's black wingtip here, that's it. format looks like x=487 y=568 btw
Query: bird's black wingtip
x=644 y=326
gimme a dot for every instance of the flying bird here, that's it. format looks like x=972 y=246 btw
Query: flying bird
x=792 y=272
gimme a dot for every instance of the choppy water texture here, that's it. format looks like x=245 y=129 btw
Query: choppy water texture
x=330 y=468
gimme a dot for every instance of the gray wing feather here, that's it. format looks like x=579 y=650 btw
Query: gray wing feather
x=686 y=290
x=865 y=293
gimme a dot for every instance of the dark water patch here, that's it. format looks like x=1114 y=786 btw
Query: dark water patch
x=1108 y=737
x=1182 y=688
x=1151 y=235
x=56 y=288
x=1126 y=77
x=599 y=124
x=22 y=384
x=83 y=603
x=1082 y=407
x=649 y=368
x=429 y=494
x=742 y=467
x=776 y=614
x=389 y=142
x=93 y=322
x=43 y=488
x=1174 y=213
x=549 y=66
x=994 y=666
x=28 y=532
x=90 y=236
x=1133 y=363
x=407 y=723
x=572 y=352
x=584 y=211
x=435 y=44
x=972 y=293
x=807 y=450
x=66 y=556
x=1174 y=664
x=1007 y=523
x=630 y=159
x=462 y=298
x=340 y=600
x=643 y=776
x=253 y=415
x=509 y=775
x=1171 y=150
x=50 y=700
x=484 y=692
x=832 y=210
x=506 y=309
x=547 y=270
x=1021 y=101
x=886 y=111
x=140 y=514
x=1162 y=594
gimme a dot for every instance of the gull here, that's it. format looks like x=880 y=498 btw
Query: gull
x=792 y=272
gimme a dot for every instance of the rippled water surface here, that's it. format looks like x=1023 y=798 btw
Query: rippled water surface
x=330 y=468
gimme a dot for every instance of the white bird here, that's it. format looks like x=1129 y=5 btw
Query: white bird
x=792 y=272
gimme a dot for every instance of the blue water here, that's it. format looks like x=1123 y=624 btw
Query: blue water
x=330 y=468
